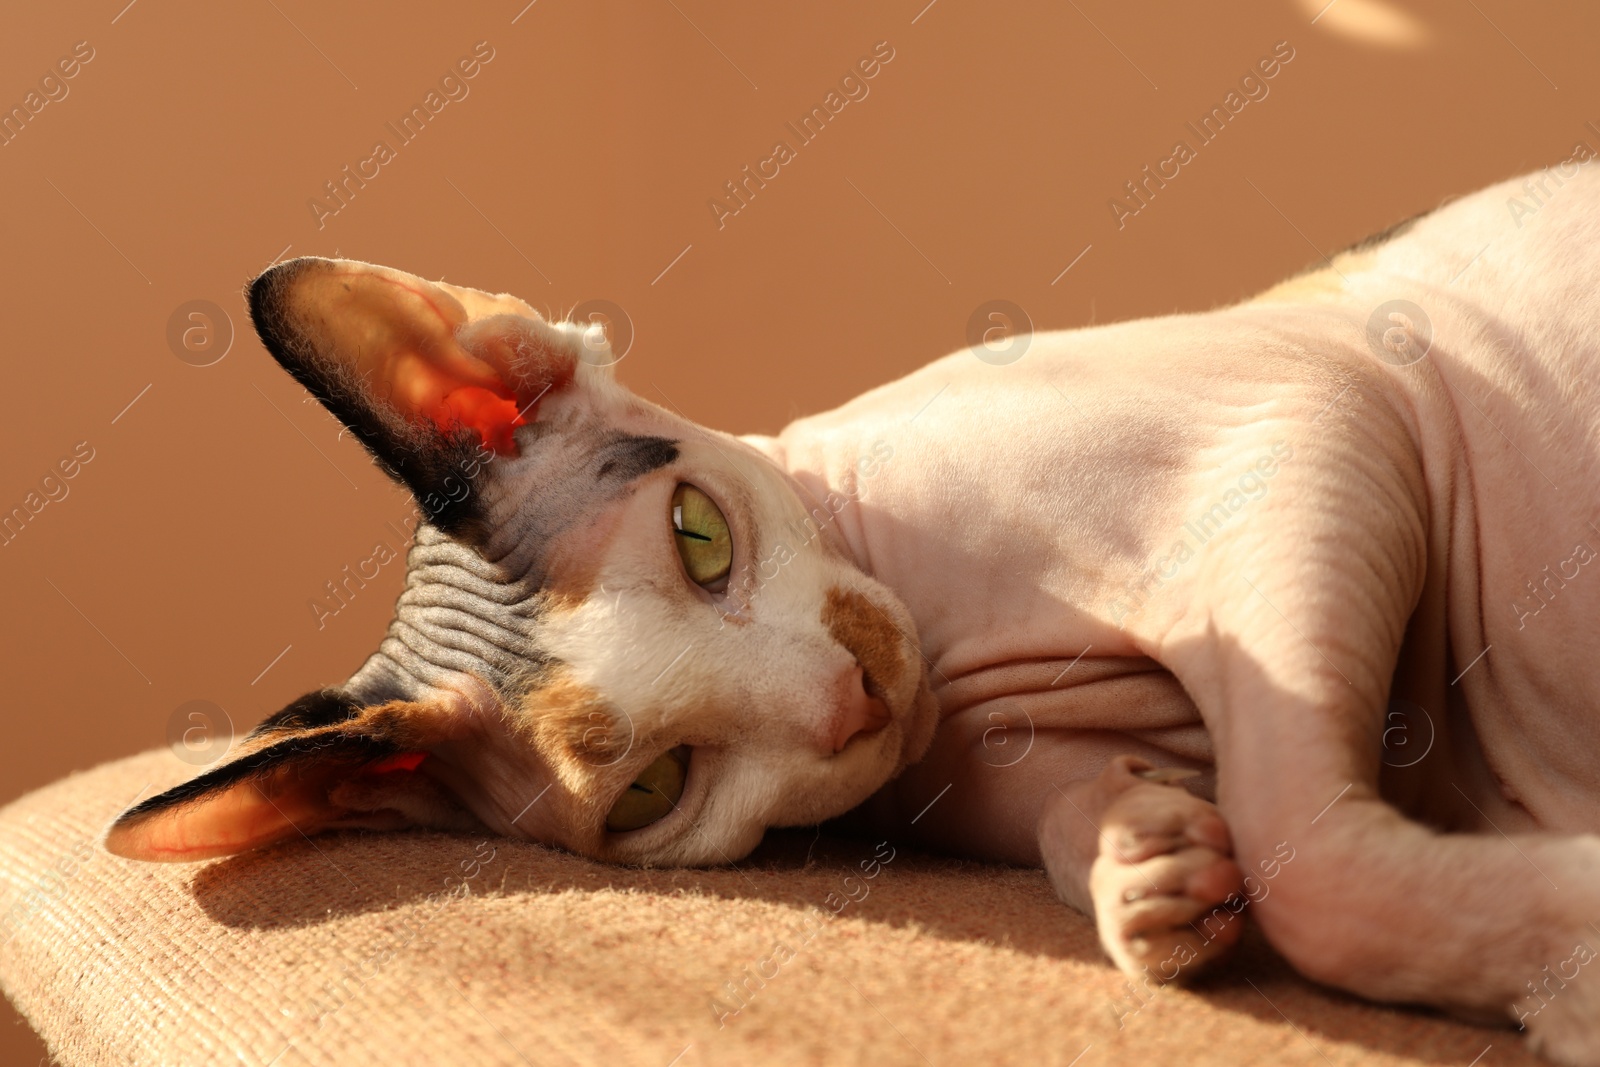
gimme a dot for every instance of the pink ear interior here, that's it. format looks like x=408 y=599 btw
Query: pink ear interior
x=434 y=353
x=405 y=761
x=493 y=417
x=249 y=814
x=236 y=819
x=531 y=363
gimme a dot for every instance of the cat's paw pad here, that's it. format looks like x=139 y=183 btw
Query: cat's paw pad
x=1166 y=889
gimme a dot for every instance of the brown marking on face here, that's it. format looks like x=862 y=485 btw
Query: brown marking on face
x=411 y=726
x=577 y=730
x=586 y=743
x=867 y=634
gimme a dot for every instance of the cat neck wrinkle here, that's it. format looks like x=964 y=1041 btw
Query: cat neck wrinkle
x=458 y=615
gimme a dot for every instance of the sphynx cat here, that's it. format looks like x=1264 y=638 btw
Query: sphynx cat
x=1145 y=607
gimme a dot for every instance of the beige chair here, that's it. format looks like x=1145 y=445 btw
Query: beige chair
x=425 y=948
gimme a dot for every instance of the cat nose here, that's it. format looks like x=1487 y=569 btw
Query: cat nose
x=859 y=713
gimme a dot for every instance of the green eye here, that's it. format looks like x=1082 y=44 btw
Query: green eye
x=702 y=537
x=653 y=794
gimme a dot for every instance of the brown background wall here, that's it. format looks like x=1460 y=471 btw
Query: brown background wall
x=180 y=564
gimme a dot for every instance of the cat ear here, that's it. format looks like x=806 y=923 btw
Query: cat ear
x=321 y=763
x=426 y=375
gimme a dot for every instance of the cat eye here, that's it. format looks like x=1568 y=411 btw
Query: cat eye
x=701 y=534
x=653 y=794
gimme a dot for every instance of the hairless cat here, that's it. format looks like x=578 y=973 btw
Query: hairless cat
x=1194 y=572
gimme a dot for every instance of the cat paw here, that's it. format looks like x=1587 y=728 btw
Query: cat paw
x=1166 y=889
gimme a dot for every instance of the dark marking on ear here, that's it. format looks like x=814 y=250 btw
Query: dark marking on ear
x=438 y=467
x=346 y=748
x=629 y=457
x=325 y=707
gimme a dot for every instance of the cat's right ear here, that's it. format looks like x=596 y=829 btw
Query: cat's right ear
x=427 y=376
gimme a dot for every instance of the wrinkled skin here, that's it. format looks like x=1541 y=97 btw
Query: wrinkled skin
x=1389 y=520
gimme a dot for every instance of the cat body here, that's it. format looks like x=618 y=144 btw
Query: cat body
x=1286 y=601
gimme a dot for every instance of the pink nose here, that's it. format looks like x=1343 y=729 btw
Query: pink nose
x=860 y=714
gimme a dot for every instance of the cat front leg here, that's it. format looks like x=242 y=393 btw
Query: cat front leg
x=1151 y=862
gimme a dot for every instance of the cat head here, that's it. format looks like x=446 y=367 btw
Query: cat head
x=621 y=633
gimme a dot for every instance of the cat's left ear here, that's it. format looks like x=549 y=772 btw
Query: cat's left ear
x=321 y=763
x=426 y=375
